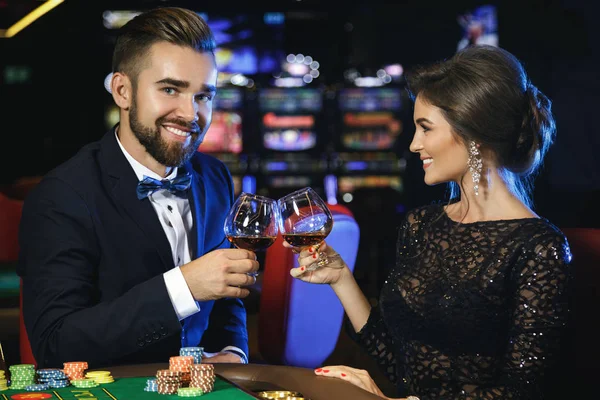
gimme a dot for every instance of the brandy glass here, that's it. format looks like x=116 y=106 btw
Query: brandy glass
x=304 y=218
x=251 y=223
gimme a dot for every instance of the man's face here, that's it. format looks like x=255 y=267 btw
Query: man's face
x=171 y=107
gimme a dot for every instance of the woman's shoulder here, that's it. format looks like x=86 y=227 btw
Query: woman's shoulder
x=544 y=239
x=425 y=212
x=542 y=228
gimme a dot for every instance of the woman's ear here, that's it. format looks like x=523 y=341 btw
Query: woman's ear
x=121 y=90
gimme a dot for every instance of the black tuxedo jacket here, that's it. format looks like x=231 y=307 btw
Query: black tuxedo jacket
x=93 y=255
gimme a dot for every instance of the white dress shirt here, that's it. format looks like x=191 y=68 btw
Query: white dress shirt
x=175 y=216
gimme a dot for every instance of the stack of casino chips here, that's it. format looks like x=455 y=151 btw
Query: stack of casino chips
x=203 y=377
x=21 y=376
x=189 y=392
x=37 y=387
x=53 y=377
x=195 y=352
x=100 y=377
x=3 y=381
x=168 y=381
x=182 y=364
x=84 y=383
x=151 y=386
x=75 y=370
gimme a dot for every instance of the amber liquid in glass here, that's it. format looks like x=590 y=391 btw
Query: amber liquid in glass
x=253 y=243
x=304 y=239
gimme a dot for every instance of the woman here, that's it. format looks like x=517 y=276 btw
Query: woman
x=477 y=301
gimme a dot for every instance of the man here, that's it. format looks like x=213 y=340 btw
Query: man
x=116 y=269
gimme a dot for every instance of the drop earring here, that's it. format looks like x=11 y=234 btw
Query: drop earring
x=475 y=164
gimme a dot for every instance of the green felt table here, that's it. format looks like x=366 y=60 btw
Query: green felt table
x=126 y=388
x=233 y=381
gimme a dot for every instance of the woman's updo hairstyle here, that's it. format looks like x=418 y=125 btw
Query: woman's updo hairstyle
x=486 y=96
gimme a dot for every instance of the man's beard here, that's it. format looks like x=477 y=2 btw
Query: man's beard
x=170 y=154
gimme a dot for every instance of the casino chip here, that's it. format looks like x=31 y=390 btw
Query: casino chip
x=3 y=382
x=189 y=392
x=37 y=387
x=203 y=377
x=186 y=376
x=84 y=383
x=196 y=352
x=21 y=376
x=151 y=386
x=168 y=381
x=75 y=369
x=53 y=377
x=101 y=377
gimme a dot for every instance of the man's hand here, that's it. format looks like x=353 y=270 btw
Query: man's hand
x=223 y=357
x=221 y=273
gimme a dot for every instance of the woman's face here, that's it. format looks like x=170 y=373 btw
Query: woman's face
x=443 y=154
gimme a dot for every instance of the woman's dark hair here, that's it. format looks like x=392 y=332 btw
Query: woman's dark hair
x=174 y=25
x=486 y=96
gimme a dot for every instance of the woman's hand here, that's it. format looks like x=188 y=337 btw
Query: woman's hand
x=319 y=264
x=358 y=377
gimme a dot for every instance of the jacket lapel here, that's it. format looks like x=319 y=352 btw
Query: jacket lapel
x=196 y=197
x=123 y=183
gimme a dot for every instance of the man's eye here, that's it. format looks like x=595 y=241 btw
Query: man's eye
x=203 y=98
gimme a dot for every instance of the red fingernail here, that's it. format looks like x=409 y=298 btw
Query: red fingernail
x=326 y=370
x=310 y=249
x=343 y=374
x=302 y=268
x=318 y=370
x=315 y=255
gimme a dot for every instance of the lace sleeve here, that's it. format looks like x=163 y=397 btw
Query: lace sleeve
x=541 y=283
x=375 y=339
x=374 y=336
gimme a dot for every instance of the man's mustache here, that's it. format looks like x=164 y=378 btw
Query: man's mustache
x=194 y=127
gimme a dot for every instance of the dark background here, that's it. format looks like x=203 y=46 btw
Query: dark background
x=67 y=53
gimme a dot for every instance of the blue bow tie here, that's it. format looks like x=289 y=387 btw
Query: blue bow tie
x=149 y=185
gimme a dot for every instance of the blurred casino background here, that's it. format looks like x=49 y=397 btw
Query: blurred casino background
x=311 y=93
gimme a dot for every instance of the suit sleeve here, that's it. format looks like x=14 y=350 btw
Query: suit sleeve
x=58 y=264
x=227 y=326
x=227 y=323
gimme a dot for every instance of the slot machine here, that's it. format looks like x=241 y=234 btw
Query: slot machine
x=370 y=141
x=224 y=139
x=291 y=131
x=368 y=169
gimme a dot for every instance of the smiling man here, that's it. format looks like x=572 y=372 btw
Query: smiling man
x=123 y=256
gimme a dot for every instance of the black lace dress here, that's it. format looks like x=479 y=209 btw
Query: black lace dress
x=471 y=310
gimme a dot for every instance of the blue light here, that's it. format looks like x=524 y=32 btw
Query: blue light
x=356 y=166
x=277 y=166
x=249 y=184
x=274 y=18
x=331 y=187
